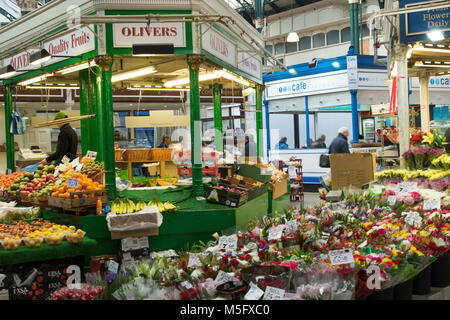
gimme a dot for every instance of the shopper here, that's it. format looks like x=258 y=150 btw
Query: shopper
x=319 y=143
x=165 y=142
x=250 y=147
x=340 y=143
x=282 y=144
x=67 y=142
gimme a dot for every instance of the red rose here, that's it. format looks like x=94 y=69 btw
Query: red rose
x=234 y=262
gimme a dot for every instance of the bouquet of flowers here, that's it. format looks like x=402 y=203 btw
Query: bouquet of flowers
x=82 y=292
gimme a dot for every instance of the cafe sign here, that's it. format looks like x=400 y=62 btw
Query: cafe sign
x=416 y=25
x=214 y=43
x=125 y=35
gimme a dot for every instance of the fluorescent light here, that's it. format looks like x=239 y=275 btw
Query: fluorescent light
x=182 y=81
x=421 y=48
x=53 y=87
x=77 y=67
x=157 y=89
x=292 y=36
x=132 y=74
x=35 y=79
x=336 y=64
x=292 y=71
x=40 y=57
x=421 y=64
x=227 y=75
x=248 y=91
x=435 y=35
x=7 y=71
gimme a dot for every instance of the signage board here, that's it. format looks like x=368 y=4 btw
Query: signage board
x=249 y=64
x=217 y=45
x=127 y=34
x=352 y=72
x=415 y=26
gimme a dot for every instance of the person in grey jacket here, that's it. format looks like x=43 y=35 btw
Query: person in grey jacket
x=340 y=143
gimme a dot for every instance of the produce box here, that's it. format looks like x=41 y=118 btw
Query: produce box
x=279 y=188
x=355 y=169
x=80 y=202
x=254 y=172
x=139 y=224
x=253 y=191
x=226 y=197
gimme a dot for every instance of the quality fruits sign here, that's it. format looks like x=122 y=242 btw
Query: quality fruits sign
x=125 y=35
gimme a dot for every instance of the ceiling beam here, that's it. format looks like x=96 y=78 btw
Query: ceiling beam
x=273 y=5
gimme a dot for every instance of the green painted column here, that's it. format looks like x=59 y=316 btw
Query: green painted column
x=194 y=62
x=87 y=106
x=105 y=120
x=354 y=27
x=217 y=99
x=259 y=122
x=97 y=95
x=10 y=161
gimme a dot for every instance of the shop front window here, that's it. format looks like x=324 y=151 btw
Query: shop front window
x=291 y=47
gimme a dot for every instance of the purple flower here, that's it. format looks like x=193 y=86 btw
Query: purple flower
x=110 y=277
x=419 y=150
x=435 y=152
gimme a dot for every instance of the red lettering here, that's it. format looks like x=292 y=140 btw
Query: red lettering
x=126 y=31
x=174 y=31
x=165 y=32
x=148 y=31
x=157 y=32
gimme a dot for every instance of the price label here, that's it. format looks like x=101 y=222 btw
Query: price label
x=9 y=171
x=291 y=226
x=405 y=187
x=65 y=159
x=75 y=162
x=392 y=200
x=143 y=242
x=223 y=277
x=72 y=183
x=130 y=244
x=187 y=285
x=194 y=260
x=228 y=243
x=292 y=172
x=91 y=155
x=78 y=168
x=276 y=233
x=273 y=293
x=113 y=266
x=254 y=293
x=343 y=256
x=56 y=173
x=431 y=205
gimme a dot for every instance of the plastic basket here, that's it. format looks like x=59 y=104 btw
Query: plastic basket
x=137 y=155
x=118 y=154
x=161 y=154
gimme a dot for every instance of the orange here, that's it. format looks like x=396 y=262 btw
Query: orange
x=75 y=196
x=85 y=195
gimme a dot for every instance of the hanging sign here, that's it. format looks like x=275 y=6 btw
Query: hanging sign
x=249 y=64
x=352 y=72
x=21 y=60
x=214 y=43
x=127 y=34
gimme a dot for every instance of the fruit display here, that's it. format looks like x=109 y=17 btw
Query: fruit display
x=8 y=179
x=166 y=182
x=92 y=168
x=230 y=189
x=33 y=234
x=127 y=206
x=84 y=184
x=9 y=214
x=28 y=183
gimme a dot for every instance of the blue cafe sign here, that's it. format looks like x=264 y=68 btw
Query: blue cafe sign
x=415 y=26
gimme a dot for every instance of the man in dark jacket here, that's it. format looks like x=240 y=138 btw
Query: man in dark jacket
x=67 y=142
x=250 y=147
x=340 y=143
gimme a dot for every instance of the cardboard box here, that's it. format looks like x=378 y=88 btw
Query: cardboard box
x=355 y=169
x=279 y=188
x=143 y=224
x=75 y=203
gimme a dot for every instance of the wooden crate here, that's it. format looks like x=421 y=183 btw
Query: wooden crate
x=137 y=155
x=77 y=203
x=161 y=154
x=118 y=153
x=99 y=177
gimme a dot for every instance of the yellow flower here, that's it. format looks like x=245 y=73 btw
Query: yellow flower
x=428 y=138
x=414 y=249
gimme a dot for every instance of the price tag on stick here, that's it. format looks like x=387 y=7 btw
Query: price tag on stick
x=343 y=256
x=228 y=243
x=79 y=167
x=75 y=162
x=392 y=200
x=91 y=155
x=113 y=266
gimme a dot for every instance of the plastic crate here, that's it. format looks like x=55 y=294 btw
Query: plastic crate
x=210 y=171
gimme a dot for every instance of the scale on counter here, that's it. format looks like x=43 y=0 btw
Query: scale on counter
x=35 y=153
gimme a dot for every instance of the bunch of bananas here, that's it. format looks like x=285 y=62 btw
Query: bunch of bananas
x=126 y=206
x=163 y=207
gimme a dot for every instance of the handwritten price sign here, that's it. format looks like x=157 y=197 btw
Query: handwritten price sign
x=75 y=162
x=392 y=200
x=291 y=226
x=405 y=187
x=276 y=233
x=223 y=277
x=254 y=293
x=431 y=205
x=273 y=293
x=343 y=256
x=228 y=243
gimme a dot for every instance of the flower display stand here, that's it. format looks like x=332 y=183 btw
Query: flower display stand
x=440 y=272
x=404 y=290
x=422 y=282
x=386 y=294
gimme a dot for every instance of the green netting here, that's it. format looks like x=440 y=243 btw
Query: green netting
x=47 y=252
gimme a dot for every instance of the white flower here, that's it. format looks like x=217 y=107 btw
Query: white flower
x=197 y=273
x=438 y=242
x=413 y=219
x=406 y=243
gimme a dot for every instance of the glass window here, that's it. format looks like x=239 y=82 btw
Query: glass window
x=319 y=40
x=291 y=47
x=269 y=48
x=304 y=43
x=332 y=37
x=366 y=31
x=345 y=34
x=144 y=136
x=280 y=48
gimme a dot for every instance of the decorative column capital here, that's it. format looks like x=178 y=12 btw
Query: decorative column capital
x=196 y=60
x=104 y=62
x=263 y=87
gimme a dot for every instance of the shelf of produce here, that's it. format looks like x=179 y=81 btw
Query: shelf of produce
x=162 y=167
x=47 y=252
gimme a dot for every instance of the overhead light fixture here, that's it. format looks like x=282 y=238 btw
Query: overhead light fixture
x=54 y=87
x=148 y=49
x=132 y=74
x=248 y=91
x=43 y=55
x=336 y=64
x=157 y=89
x=182 y=81
x=292 y=36
x=6 y=72
x=229 y=76
x=431 y=49
x=435 y=35
x=35 y=79
x=421 y=64
x=78 y=67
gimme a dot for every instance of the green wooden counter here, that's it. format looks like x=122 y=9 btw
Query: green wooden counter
x=46 y=252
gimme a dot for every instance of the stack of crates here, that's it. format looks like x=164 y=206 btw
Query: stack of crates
x=209 y=163
x=297 y=188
